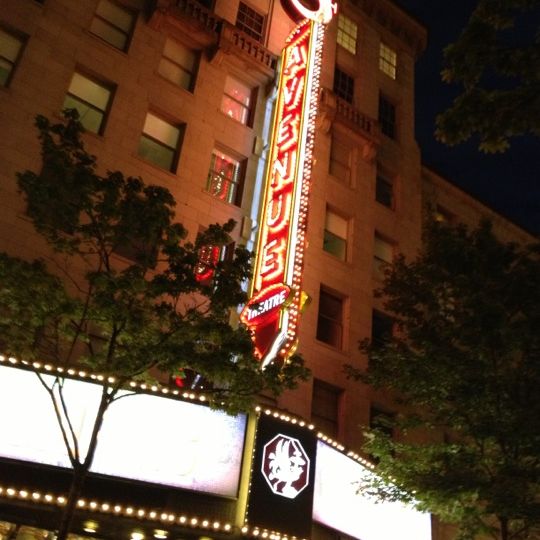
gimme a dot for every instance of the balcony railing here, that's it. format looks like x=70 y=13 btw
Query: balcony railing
x=194 y=10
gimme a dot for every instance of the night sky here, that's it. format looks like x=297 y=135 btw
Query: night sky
x=509 y=183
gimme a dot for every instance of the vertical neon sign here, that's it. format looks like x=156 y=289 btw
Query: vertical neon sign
x=273 y=310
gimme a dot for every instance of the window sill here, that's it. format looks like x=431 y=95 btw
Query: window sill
x=155 y=166
x=341 y=352
x=217 y=199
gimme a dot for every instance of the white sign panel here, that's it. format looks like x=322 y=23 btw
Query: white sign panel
x=144 y=437
x=337 y=504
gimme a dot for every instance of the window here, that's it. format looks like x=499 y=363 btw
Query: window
x=387 y=60
x=250 y=21
x=237 y=99
x=178 y=64
x=347 y=33
x=225 y=177
x=325 y=401
x=383 y=254
x=330 y=319
x=381 y=327
x=209 y=256
x=384 y=190
x=113 y=23
x=92 y=100
x=160 y=142
x=442 y=215
x=387 y=117
x=343 y=85
x=11 y=47
x=340 y=155
x=335 y=235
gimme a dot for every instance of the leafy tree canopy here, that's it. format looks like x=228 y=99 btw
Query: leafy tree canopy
x=497 y=61
x=126 y=319
x=463 y=370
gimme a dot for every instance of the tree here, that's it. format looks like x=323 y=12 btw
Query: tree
x=85 y=307
x=462 y=368
x=497 y=60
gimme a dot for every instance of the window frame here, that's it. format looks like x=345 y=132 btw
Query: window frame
x=128 y=35
x=181 y=127
x=191 y=73
x=248 y=29
x=110 y=87
x=249 y=108
x=387 y=117
x=382 y=327
x=344 y=37
x=240 y=172
x=385 y=190
x=336 y=167
x=23 y=40
x=335 y=323
x=343 y=86
x=388 y=63
x=380 y=263
x=334 y=235
x=319 y=389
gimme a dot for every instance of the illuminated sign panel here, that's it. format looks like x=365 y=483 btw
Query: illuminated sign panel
x=282 y=478
x=273 y=310
x=337 y=504
x=146 y=438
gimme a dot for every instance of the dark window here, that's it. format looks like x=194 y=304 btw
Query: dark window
x=325 y=407
x=387 y=117
x=381 y=420
x=384 y=192
x=340 y=156
x=208 y=4
x=11 y=47
x=250 y=21
x=113 y=23
x=381 y=327
x=335 y=234
x=343 y=85
x=330 y=319
x=92 y=99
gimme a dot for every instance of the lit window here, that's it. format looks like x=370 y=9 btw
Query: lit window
x=325 y=402
x=343 y=85
x=335 y=235
x=340 y=155
x=250 y=21
x=381 y=327
x=10 y=52
x=330 y=319
x=384 y=190
x=387 y=117
x=225 y=177
x=383 y=254
x=387 y=60
x=236 y=101
x=113 y=23
x=347 y=33
x=178 y=64
x=160 y=142
x=91 y=99
x=441 y=215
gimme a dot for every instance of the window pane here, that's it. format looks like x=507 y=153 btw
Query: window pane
x=5 y=70
x=335 y=245
x=175 y=73
x=238 y=91
x=90 y=91
x=233 y=109
x=383 y=250
x=9 y=46
x=161 y=130
x=90 y=118
x=347 y=33
x=224 y=177
x=180 y=54
x=336 y=224
x=329 y=322
x=250 y=21
x=387 y=60
x=110 y=34
x=156 y=153
x=384 y=191
x=113 y=13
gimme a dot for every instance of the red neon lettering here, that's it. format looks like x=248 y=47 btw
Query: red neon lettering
x=278 y=212
x=273 y=259
x=283 y=172
x=289 y=131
